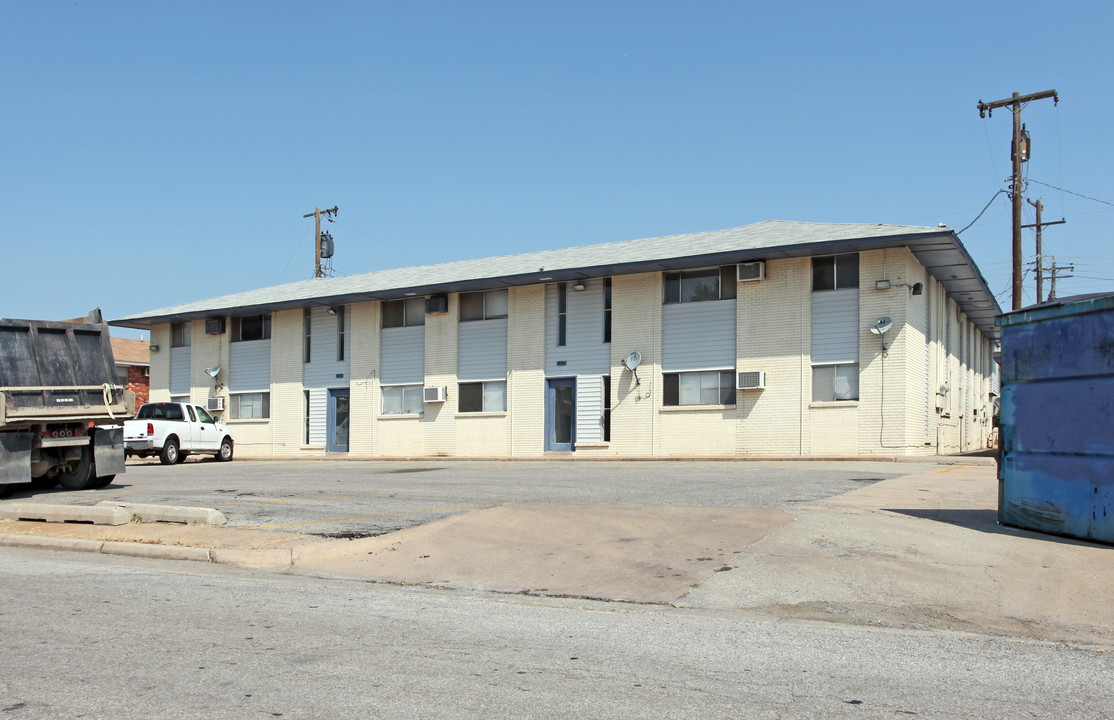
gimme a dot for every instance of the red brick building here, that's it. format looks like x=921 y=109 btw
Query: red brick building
x=133 y=366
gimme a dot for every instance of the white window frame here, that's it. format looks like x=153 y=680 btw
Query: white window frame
x=822 y=368
x=410 y=399
x=236 y=405
x=180 y=334
x=413 y=312
x=485 y=391
x=180 y=398
x=725 y=378
x=488 y=312
x=726 y=281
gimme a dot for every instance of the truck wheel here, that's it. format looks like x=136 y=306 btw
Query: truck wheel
x=81 y=476
x=102 y=481
x=169 y=454
x=225 y=452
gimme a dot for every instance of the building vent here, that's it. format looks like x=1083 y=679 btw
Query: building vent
x=434 y=395
x=751 y=381
x=436 y=304
x=216 y=404
x=214 y=326
x=752 y=271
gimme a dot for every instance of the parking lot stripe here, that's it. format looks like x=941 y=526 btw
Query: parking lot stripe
x=366 y=517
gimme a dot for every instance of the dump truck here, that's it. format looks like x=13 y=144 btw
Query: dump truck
x=62 y=407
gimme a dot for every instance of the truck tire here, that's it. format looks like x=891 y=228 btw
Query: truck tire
x=225 y=452
x=81 y=477
x=169 y=454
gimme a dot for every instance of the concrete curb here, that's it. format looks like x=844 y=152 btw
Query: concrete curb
x=46 y=542
x=97 y=515
x=107 y=547
x=169 y=513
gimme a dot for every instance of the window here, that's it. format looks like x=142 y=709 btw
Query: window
x=180 y=334
x=483 y=305
x=402 y=400
x=204 y=416
x=307 y=322
x=305 y=407
x=193 y=417
x=246 y=406
x=404 y=313
x=562 y=314
x=835 y=272
x=179 y=399
x=488 y=396
x=835 y=382
x=340 y=333
x=251 y=327
x=607 y=310
x=708 y=387
x=122 y=374
x=682 y=286
x=607 y=408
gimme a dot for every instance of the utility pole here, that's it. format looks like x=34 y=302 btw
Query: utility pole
x=317 y=213
x=1014 y=103
x=1055 y=270
x=1039 y=205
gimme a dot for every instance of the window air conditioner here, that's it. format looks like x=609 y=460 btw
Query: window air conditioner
x=752 y=271
x=434 y=395
x=215 y=404
x=214 y=326
x=751 y=380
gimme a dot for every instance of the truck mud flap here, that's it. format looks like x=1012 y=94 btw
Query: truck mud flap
x=108 y=451
x=15 y=457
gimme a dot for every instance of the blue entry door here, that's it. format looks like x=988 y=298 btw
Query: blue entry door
x=336 y=420
x=560 y=414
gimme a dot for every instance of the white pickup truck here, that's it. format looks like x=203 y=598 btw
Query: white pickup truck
x=175 y=430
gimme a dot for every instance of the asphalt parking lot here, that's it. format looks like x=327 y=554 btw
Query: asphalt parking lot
x=369 y=498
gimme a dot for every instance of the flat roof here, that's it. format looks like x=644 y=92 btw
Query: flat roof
x=938 y=249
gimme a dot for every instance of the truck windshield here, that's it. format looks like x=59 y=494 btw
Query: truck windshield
x=159 y=411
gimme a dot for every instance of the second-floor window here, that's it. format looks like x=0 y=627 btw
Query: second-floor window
x=404 y=313
x=700 y=285
x=180 y=334
x=251 y=327
x=483 y=305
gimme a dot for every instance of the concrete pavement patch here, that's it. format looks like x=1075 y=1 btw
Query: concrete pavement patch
x=612 y=552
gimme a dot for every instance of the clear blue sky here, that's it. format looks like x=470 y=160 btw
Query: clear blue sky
x=159 y=153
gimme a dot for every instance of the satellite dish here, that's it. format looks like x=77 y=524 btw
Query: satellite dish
x=630 y=362
x=881 y=325
x=213 y=372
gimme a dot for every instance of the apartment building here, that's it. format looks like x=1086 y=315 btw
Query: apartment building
x=777 y=338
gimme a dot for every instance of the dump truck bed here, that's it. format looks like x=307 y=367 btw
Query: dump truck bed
x=54 y=371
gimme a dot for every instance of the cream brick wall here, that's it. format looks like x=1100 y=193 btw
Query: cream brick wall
x=525 y=370
x=160 y=363
x=773 y=335
x=364 y=370
x=883 y=391
x=288 y=411
x=439 y=419
x=636 y=325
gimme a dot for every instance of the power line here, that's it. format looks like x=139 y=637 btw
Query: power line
x=992 y=197
x=1069 y=192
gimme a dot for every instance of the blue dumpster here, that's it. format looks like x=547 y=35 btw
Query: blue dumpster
x=1056 y=470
